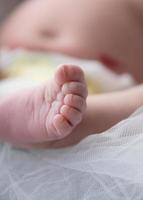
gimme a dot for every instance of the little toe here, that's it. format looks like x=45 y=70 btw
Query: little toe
x=75 y=101
x=62 y=126
x=76 y=88
x=67 y=73
x=72 y=115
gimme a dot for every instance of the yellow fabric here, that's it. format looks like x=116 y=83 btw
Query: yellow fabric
x=41 y=68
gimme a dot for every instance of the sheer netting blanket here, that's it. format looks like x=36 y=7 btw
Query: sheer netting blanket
x=108 y=166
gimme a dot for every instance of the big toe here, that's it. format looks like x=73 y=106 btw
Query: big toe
x=67 y=73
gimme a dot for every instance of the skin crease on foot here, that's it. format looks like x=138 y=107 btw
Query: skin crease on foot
x=46 y=113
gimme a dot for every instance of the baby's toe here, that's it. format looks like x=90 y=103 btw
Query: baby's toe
x=72 y=115
x=62 y=126
x=76 y=88
x=67 y=73
x=75 y=101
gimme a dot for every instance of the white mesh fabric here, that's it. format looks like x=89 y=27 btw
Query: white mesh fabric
x=108 y=166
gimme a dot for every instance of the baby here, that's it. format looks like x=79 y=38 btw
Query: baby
x=54 y=114
x=93 y=29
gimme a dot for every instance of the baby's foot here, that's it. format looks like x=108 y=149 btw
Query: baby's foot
x=51 y=111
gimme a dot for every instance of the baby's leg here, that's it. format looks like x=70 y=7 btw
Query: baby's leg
x=46 y=113
x=103 y=111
